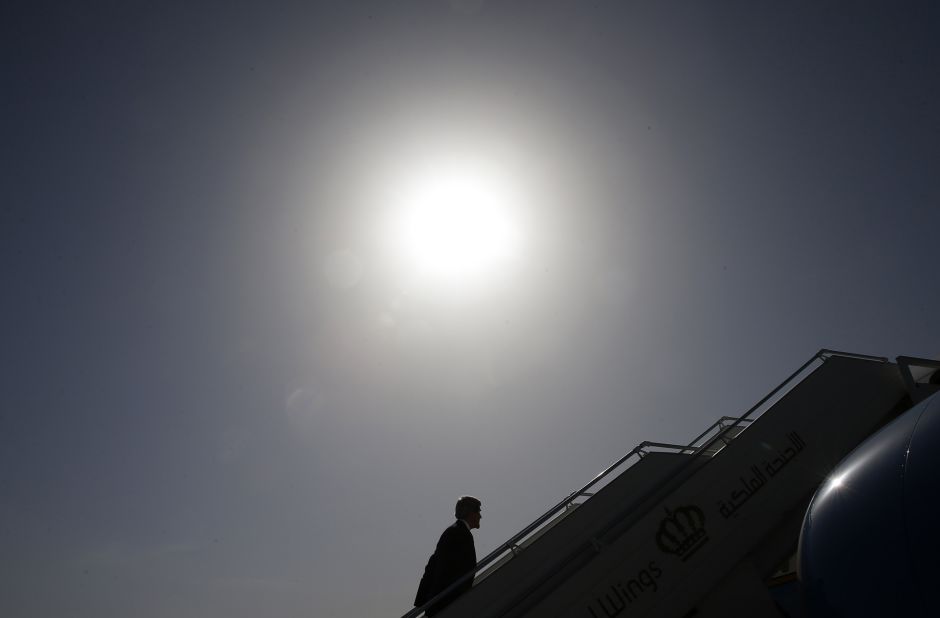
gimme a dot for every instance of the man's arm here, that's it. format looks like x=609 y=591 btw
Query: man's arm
x=455 y=554
x=451 y=563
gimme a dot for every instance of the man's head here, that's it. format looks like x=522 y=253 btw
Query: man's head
x=469 y=509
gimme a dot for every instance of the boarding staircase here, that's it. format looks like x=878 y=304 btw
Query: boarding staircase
x=696 y=529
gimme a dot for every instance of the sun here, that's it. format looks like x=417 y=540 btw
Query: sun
x=456 y=223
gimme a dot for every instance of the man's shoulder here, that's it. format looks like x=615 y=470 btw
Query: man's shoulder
x=456 y=529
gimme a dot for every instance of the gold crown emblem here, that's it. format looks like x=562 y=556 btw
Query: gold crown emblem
x=682 y=531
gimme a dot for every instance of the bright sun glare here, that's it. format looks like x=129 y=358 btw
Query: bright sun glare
x=456 y=223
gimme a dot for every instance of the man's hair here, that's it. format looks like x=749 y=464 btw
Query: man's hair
x=466 y=505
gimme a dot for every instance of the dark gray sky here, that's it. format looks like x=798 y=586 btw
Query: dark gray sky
x=221 y=395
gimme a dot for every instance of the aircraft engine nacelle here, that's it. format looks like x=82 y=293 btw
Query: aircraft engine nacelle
x=870 y=543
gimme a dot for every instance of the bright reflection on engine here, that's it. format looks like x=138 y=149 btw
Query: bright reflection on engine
x=836 y=482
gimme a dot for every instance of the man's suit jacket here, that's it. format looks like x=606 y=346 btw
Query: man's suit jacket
x=454 y=557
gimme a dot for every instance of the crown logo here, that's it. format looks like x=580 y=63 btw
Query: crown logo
x=682 y=532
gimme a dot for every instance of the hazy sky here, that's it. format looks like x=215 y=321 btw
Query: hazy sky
x=224 y=394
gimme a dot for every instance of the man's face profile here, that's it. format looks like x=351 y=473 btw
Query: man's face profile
x=473 y=519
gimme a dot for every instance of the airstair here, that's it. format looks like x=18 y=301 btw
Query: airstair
x=677 y=530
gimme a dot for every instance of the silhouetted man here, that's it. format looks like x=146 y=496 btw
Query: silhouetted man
x=453 y=558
